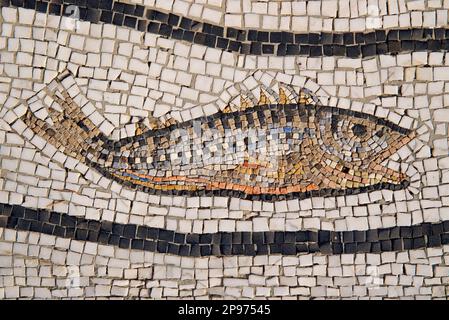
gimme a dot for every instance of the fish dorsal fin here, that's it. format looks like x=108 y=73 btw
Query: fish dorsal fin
x=239 y=103
x=263 y=98
x=227 y=109
x=155 y=123
x=141 y=127
x=169 y=120
x=139 y=130
x=283 y=98
x=290 y=93
x=280 y=94
x=245 y=102
x=267 y=96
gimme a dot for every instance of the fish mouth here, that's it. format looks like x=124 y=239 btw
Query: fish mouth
x=384 y=174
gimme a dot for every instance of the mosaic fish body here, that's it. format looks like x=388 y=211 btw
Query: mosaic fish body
x=267 y=150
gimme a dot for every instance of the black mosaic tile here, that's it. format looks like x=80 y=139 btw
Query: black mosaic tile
x=359 y=236
x=22 y=224
x=364 y=247
x=419 y=242
x=376 y=247
x=434 y=241
x=407 y=244
x=445 y=239
x=348 y=237
x=60 y=232
x=193 y=239
x=238 y=249
x=446 y=226
x=406 y=232
x=226 y=250
x=106 y=16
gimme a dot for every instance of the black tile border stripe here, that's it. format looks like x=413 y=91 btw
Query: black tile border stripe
x=254 y=42
x=131 y=236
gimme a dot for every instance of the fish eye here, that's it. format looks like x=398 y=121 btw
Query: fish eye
x=359 y=130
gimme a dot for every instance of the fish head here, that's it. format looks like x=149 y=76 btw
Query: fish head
x=353 y=146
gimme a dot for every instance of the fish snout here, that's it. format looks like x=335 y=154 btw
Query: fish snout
x=382 y=174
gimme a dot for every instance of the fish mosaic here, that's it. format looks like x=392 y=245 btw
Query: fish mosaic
x=285 y=145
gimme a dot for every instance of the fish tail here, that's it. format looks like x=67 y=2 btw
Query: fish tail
x=58 y=114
